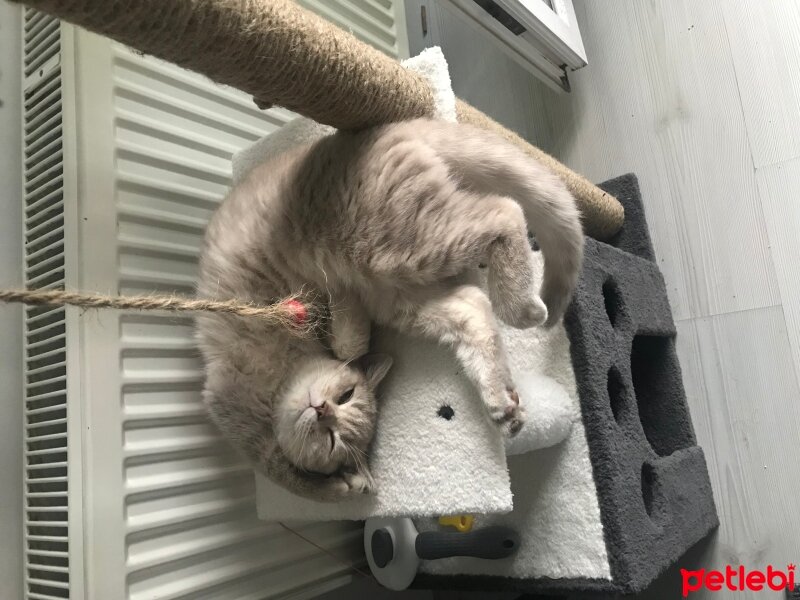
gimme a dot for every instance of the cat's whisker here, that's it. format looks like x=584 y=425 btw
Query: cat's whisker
x=303 y=445
x=360 y=466
x=349 y=455
x=359 y=450
x=325 y=274
x=351 y=452
x=342 y=367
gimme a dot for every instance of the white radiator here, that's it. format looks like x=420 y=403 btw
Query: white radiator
x=129 y=491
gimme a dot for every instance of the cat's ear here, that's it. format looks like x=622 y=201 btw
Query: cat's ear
x=375 y=367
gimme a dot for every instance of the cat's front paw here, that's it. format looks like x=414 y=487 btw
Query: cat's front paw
x=509 y=415
x=335 y=490
x=359 y=484
x=345 y=486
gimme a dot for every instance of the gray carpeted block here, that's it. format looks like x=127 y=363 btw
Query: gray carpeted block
x=651 y=477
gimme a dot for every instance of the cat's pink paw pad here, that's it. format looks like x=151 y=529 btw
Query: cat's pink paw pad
x=511 y=416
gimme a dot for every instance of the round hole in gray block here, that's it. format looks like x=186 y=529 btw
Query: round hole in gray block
x=650 y=492
x=616 y=393
x=612 y=301
x=660 y=399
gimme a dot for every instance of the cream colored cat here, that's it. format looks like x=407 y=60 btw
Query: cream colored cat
x=385 y=225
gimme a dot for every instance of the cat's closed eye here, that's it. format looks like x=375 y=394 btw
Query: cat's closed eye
x=345 y=397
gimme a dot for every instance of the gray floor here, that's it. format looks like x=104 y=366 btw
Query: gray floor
x=702 y=101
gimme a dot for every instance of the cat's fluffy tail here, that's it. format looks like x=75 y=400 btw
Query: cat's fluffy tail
x=487 y=164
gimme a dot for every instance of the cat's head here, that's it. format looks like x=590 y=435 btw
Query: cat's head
x=325 y=419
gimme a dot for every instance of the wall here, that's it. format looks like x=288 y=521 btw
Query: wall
x=10 y=316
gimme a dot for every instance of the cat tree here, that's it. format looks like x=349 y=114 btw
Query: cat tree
x=646 y=482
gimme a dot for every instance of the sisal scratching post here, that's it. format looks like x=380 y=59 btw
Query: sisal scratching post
x=284 y=55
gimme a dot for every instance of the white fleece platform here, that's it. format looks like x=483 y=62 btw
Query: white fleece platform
x=556 y=509
x=427 y=465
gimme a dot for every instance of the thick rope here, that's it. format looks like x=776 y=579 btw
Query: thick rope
x=289 y=314
x=282 y=54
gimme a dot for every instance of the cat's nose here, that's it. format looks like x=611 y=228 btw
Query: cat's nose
x=323 y=410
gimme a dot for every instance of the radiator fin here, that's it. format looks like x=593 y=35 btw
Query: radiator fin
x=371 y=21
x=45 y=430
